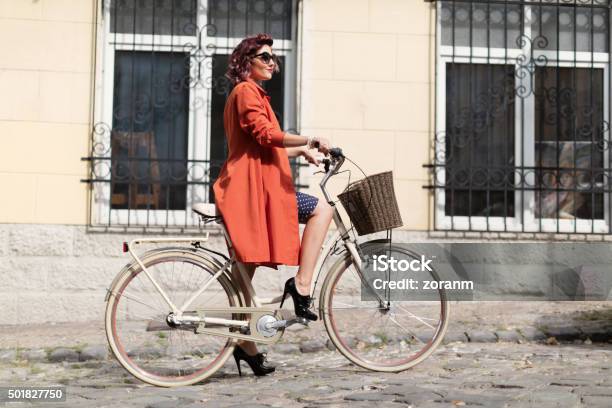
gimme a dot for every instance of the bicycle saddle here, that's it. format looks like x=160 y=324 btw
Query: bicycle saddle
x=206 y=210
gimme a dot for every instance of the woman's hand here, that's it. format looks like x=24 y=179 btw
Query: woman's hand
x=324 y=145
x=311 y=156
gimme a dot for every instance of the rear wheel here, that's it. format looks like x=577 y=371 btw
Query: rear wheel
x=391 y=337
x=142 y=337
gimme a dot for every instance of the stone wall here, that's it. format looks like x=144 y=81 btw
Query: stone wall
x=59 y=273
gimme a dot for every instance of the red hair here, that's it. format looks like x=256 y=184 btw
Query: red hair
x=240 y=61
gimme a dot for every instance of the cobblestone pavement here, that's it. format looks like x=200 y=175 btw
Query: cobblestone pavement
x=528 y=354
x=458 y=374
x=469 y=321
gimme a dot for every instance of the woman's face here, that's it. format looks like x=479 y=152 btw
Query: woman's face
x=260 y=70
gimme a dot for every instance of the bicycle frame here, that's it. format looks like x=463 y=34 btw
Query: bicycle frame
x=326 y=250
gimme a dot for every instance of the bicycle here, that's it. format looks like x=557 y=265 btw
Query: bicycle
x=175 y=332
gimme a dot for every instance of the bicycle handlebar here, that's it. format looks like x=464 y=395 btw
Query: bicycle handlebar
x=337 y=159
x=334 y=152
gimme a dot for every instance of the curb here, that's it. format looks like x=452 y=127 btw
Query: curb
x=552 y=335
x=56 y=355
x=546 y=334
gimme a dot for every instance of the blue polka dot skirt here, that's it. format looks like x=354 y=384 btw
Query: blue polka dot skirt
x=306 y=205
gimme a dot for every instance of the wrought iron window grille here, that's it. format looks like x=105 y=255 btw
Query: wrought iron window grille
x=522 y=140
x=157 y=142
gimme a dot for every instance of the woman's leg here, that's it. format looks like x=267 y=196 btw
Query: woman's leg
x=312 y=239
x=248 y=346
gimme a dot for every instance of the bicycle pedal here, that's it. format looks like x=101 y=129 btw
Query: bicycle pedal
x=291 y=319
x=296 y=320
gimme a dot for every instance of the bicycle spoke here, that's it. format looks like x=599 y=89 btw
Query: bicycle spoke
x=162 y=319
x=359 y=308
x=420 y=319
x=158 y=300
x=406 y=330
x=137 y=300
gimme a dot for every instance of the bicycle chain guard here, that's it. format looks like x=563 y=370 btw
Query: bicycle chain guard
x=259 y=329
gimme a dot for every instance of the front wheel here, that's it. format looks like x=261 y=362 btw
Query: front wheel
x=389 y=338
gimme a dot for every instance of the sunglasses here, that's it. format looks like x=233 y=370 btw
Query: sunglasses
x=267 y=57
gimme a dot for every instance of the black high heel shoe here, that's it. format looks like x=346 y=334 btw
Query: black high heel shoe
x=258 y=362
x=301 y=303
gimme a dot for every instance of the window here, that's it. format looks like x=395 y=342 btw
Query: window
x=522 y=116
x=158 y=142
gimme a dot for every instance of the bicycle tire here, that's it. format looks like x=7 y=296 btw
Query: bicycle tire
x=340 y=339
x=123 y=279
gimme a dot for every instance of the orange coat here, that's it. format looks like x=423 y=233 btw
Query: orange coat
x=254 y=191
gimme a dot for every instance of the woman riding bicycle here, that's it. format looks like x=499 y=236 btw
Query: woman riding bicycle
x=254 y=192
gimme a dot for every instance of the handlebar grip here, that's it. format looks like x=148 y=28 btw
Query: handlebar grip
x=336 y=152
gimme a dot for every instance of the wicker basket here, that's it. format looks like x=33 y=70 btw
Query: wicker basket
x=371 y=203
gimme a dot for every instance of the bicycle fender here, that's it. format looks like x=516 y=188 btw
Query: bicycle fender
x=155 y=251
